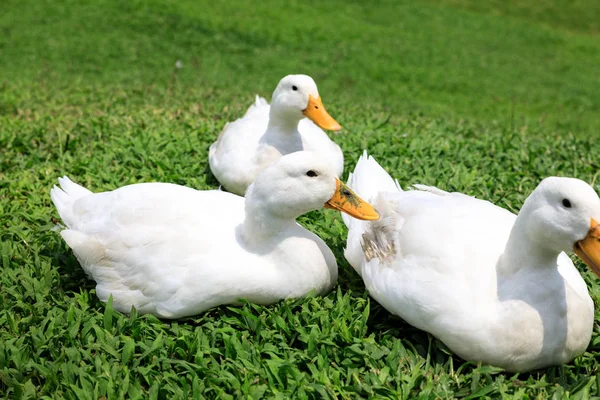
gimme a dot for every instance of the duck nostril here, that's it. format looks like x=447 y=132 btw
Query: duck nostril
x=317 y=107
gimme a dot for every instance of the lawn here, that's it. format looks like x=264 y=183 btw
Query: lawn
x=483 y=99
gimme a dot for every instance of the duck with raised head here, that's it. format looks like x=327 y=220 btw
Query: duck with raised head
x=174 y=251
x=494 y=287
x=291 y=123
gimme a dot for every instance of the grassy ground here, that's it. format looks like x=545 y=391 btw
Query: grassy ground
x=487 y=100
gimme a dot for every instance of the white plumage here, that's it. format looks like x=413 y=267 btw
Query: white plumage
x=174 y=251
x=493 y=287
x=249 y=144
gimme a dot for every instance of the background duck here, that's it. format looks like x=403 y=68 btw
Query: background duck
x=174 y=251
x=494 y=287
x=265 y=133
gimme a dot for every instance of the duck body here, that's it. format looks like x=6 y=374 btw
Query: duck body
x=150 y=247
x=173 y=251
x=250 y=144
x=461 y=269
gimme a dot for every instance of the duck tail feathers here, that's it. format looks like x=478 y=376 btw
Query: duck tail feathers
x=65 y=196
x=257 y=106
x=260 y=101
x=369 y=178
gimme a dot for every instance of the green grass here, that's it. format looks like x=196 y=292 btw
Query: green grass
x=487 y=100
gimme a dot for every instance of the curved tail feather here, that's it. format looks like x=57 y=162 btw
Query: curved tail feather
x=368 y=180
x=65 y=196
x=260 y=104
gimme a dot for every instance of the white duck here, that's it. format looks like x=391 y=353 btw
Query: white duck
x=258 y=139
x=494 y=287
x=173 y=251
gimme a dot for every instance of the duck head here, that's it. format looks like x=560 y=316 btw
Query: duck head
x=301 y=182
x=296 y=97
x=564 y=215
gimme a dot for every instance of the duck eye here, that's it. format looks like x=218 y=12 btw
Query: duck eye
x=566 y=203
x=311 y=173
x=294 y=87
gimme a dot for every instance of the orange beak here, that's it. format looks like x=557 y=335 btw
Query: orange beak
x=345 y=200
x=317 y=113
x=588 y=249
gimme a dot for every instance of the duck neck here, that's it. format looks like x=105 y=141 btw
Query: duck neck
x=260 y=224
x=523 y=253
x=282 y=122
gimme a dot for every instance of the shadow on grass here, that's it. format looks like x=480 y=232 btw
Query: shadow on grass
x=72 y=278
x=211 y=180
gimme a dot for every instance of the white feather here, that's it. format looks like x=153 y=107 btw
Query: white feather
x=471 y=273
x=173 y=251
x=248 y=145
